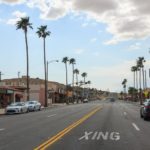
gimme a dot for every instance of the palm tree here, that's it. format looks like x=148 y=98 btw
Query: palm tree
x=133 y=69
x=84 y=75
x=140 y=65
x=43 y=33
x=65 y=60
x=76 y=71
x=24 y=24
x=73 y=62
x=124 y=82
x=136 y=71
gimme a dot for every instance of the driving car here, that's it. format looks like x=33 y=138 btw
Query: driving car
x=85 y=100
x=33 y=105
x=16 y=108
x=145 y=110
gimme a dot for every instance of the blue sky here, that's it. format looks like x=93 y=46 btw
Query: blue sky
x=104 y=39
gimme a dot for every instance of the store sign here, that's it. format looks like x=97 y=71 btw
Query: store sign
x=10 y=91
x=2 y=91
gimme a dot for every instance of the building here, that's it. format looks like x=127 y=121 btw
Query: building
x=11 y=94
x=56 y=91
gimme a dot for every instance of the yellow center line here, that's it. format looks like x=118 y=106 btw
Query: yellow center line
x=66 y=130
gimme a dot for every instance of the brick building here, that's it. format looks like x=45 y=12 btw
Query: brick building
x=56 y=91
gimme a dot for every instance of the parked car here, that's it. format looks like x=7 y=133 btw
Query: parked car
x=16 y=108
x=112 y=99
x=145 y=110
x=33 y=105
x=85 y=100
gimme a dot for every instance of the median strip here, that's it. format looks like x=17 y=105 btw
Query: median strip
x=66 y=130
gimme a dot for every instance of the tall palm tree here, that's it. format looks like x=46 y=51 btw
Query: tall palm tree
x=73 y=62
x=124 y=82
x=24 y=24
x=136 y=71
x=65 y=60
x=43 y=33
x=133 y=69
x=84 y=75
x=140 y=64
x=76 y=71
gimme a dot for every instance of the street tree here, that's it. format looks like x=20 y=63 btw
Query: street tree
x=24 y=24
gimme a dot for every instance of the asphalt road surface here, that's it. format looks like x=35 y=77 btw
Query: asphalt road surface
x=99 y=125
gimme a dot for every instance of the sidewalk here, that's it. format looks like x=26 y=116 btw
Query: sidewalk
x=2 y=111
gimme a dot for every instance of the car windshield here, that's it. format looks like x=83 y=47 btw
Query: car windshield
x=31 y=102
x=16 y=104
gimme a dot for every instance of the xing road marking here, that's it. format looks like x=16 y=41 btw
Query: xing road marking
x=51 y=115
x=2 y=129
x=125 y=113
x=66 y=130
x=135 y=126
x=115 y=136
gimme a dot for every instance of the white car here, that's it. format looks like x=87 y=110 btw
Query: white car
x=33 y=105
x=16 y=108
x=85 y=100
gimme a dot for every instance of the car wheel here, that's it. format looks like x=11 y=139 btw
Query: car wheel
x=27 y=111
x=39 y=108
x=145 y=117
x=21 y=111
x=34 y=109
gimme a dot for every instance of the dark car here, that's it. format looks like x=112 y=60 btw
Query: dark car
x=145 y=110
x=112 y=100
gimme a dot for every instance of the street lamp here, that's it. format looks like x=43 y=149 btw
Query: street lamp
x=48 y=62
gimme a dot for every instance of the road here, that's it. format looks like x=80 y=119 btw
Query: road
x=99 y=125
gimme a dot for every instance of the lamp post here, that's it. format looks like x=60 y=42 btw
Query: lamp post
x=48 y=62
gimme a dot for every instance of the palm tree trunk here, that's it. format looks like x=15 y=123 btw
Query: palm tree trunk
x=45 y=73
x=27 y=57
x=140 y=86
x=137 y=80
x=66 y=83
x=134 y=79
x=73 y=75
x=143 y=78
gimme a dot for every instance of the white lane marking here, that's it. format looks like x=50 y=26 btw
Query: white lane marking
x=125 y=113
x=135 y=126
x=51 y=115
x=2 y=129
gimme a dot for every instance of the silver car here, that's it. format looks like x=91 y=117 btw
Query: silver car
x=33 y=105
x=16 y=108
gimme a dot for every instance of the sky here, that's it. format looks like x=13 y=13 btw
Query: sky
x=104 y=36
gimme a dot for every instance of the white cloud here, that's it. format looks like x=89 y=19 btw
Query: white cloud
x=12 y=2
x=84 y=24
x=134 y=47
x=17 y=15
x=79 y=51
x=125 y=19
x=93 y=40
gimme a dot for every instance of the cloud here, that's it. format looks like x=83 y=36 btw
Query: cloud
x=93 y=40
x=79 y=51
x=124 y=20
x=12 y=2
x=134 y=47
x=17 y=15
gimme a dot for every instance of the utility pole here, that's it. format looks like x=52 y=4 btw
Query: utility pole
x=145 y=80
x=1 y=76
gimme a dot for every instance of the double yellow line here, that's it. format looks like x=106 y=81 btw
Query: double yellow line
x=66 y=130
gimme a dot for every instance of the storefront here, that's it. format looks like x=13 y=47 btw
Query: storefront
x=9 y=95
